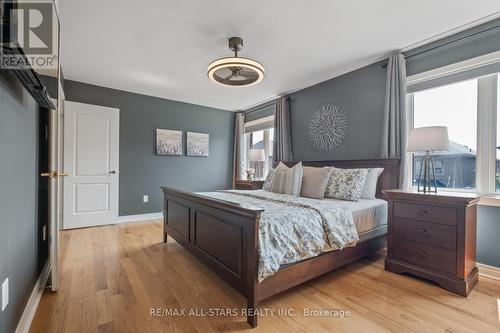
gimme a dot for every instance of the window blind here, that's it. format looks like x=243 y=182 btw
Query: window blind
x=261 y=111
x=454 y=77
x=259 y=124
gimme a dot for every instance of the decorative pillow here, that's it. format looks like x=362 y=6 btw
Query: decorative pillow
x=346 y=184
x=287 y=180
x=370 y=188
x=268 y=183
x=314 y=182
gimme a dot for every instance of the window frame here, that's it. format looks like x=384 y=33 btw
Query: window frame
x=486 y=132
x=261 y=124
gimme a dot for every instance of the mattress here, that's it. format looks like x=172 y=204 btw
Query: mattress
x=367 y=214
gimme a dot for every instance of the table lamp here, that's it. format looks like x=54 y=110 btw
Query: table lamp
x=428 y=139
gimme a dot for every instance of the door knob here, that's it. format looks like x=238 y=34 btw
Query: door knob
x=54 y=174
x=50 y=174
x=113 y=172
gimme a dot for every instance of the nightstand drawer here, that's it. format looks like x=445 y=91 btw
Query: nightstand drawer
x=436 y=258
x=424 y=232
x=438 y=214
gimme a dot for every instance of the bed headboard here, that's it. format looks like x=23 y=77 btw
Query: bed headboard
x=388 y=180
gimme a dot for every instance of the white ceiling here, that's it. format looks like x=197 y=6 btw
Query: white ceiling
x=162 y=47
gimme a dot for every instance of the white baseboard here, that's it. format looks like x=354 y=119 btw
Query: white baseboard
x=140 y=217
x=30 y=309
x=488 y=271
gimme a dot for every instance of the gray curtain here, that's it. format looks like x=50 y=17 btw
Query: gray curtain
x=239 y=147
x=282 y=136
x=396 y=119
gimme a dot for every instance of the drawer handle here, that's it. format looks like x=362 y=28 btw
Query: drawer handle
x=422 y=231
x=422 y=253
x=423 y=212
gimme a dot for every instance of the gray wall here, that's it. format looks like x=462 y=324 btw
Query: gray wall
x=488 y=235
x=143 y=172
x=18 y=188
x=361 y=94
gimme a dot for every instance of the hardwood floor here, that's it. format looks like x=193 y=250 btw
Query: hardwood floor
x=112 y=276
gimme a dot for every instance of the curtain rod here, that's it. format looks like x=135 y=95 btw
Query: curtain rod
x=384 y=65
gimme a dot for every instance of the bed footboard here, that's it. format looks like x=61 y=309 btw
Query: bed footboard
x=207 y=227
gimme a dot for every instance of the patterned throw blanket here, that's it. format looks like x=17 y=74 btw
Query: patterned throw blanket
x=293 y=228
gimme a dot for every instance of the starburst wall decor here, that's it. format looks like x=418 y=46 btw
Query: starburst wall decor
x=328 y=127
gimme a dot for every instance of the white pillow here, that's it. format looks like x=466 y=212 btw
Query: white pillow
x=370 y=188
x=287 y=180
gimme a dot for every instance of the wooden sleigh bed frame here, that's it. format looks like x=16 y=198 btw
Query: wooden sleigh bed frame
x=225 y=237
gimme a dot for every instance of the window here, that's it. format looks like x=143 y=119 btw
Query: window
x=469 y=109
x=453 y=106
x=259 y=141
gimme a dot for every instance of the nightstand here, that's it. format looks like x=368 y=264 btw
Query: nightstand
x=433 y=236
x=243 y=184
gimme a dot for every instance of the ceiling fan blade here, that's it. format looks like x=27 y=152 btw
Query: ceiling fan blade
x=249 y=75
x=230 y=76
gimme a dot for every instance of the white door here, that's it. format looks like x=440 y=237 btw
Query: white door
x=91 y=135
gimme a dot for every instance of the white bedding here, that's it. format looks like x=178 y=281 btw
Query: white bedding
x=367 y=214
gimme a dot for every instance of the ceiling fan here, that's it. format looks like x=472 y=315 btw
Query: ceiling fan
x=235 y=71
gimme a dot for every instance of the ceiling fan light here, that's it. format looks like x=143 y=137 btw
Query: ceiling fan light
x=216 y=68
x=235 y=71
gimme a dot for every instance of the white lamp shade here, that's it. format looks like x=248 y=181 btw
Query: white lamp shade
x=257 y=155
x=432 y=138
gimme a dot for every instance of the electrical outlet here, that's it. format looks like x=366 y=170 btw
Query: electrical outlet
x=145 y=198
x=5 y=293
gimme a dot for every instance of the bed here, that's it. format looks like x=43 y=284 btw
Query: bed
x=222 y=230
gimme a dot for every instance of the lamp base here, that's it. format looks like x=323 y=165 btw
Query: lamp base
x=423 y=190
x=428 y=182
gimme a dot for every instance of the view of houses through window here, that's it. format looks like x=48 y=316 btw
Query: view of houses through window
x=457 y=107
x=454 y=106
x=259 y=151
